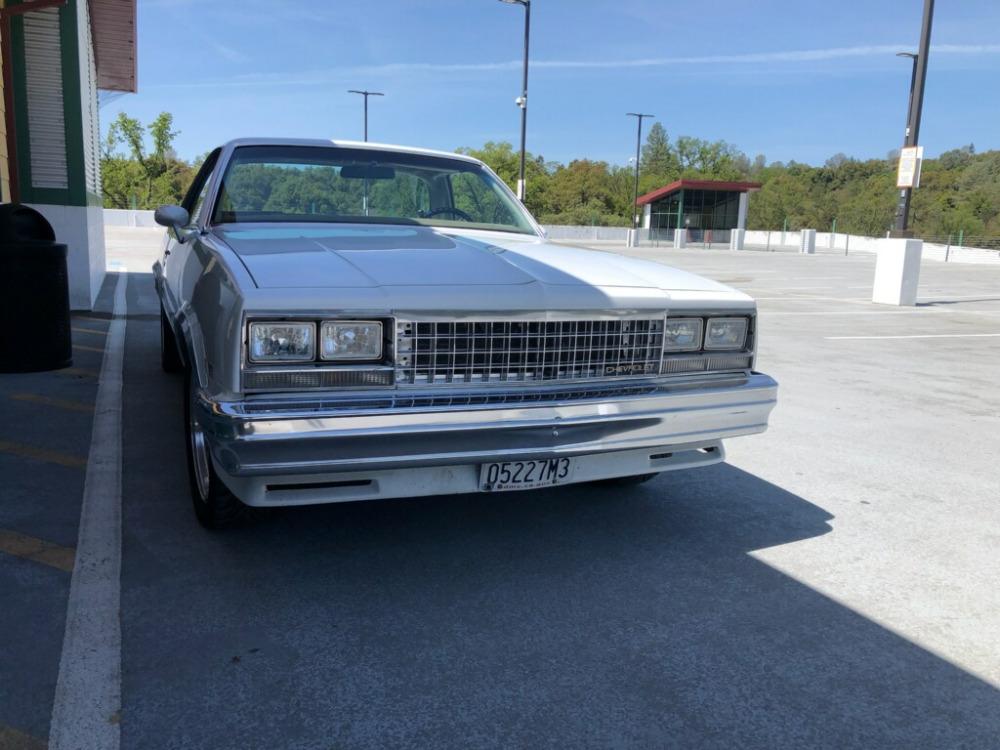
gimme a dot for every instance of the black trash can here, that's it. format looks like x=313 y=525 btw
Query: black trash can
x=34 y=294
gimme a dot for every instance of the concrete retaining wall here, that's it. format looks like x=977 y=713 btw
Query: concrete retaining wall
x=122 y=217
x=591 y=234
x=839 y=243
x=115 y=217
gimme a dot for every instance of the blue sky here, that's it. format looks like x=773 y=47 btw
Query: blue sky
x=792 y=79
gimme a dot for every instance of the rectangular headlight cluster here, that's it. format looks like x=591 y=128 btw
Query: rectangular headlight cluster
x=683 y=334
x=282 y=342
x=297 y=342
x=726 y=334
x=696 y=334
x=706 y=344
x=342 y=340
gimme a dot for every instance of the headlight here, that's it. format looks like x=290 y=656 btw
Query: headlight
x=726 y=333
x=682 y=335
x=282 y=342
x=350 y=340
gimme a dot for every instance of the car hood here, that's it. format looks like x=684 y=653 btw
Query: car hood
x=365 y=256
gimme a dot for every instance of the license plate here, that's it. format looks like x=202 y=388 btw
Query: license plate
x=525 y=475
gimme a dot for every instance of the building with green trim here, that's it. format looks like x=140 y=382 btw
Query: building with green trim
x=707 y=210
x=57 y=55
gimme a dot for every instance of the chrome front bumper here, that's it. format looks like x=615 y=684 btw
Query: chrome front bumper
x=253 y=448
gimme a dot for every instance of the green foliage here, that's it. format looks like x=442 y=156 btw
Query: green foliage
x=658 y=164
x=140 y=178
x=960 y=190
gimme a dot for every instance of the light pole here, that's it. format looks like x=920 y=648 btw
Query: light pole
x=913 y=82
x=366 y=94
x=918 y=77
x=638 y=145
x=522 y=100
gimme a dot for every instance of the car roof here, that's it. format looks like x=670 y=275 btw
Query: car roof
x=319 y=142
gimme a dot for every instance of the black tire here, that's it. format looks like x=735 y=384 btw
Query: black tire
x=214 y=505
x=170 y=356
x=625 y=481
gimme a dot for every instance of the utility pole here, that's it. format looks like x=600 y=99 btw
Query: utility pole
x=913 y=83
x=918 y=77
x=638 y=146
x=366 y=94
x=522 y=100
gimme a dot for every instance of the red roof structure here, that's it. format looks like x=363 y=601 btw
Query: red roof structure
x=655 y=195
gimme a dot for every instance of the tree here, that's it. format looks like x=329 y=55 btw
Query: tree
x=502 y=159
x=837 y=160
x=960 y=190
x=658 y=159
x=141 y=178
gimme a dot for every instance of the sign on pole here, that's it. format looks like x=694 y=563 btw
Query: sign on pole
x=910 y=159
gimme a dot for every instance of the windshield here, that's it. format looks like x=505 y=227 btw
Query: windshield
x=309 y=183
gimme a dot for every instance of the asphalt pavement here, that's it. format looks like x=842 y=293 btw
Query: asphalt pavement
x=832 y=585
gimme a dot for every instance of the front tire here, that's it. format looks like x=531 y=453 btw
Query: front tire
x=214 y=505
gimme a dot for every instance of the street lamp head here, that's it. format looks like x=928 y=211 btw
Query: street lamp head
x=911 y=55
x=516 y=2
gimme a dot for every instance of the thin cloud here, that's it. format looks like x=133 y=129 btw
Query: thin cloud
x=230 y=53
x=805 y=55
x=791 y=56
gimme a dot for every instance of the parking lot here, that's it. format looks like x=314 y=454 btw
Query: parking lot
x=833 y=584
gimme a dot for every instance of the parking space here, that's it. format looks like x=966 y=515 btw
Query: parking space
x=831 y=585
x=44 y=442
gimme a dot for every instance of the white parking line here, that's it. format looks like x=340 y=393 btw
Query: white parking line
x=808 y=278
x=87 y=705
x=985 y=297
x=887 y=311
x=910 y=311
x=789 y=288
x=811 y=298
x=919 y=336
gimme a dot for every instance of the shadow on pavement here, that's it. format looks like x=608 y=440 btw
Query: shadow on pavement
x=579 y=617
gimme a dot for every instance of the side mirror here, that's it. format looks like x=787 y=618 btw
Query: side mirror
x=174 y=218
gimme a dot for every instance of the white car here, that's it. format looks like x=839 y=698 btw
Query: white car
x=358 y=321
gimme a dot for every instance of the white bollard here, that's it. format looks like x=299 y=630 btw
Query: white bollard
x=630 y=239
x=897 y=271
x=680 y=238
x=807 y=241
x=737 y=239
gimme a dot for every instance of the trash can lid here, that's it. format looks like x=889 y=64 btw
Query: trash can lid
x=19 y=223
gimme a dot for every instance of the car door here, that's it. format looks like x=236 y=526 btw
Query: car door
x=176 y=254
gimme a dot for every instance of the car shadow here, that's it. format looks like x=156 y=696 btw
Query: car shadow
x=582 y=616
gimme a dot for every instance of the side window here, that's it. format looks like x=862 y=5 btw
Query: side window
x=199 y=202
x=194 y=201
x=473 y=197
x=421 y=196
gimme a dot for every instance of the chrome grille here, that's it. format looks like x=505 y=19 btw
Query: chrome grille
x=504 y=351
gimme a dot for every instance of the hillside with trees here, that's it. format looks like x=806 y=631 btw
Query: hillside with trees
x=960 y=190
